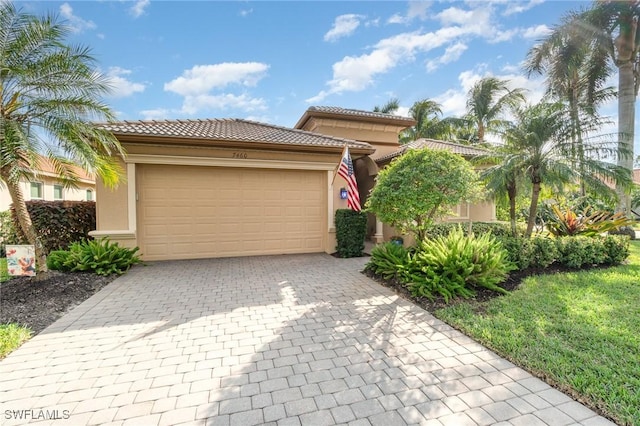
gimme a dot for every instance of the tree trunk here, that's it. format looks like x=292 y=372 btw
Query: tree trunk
x=480 y=132
x=625 y=47
x=533 y=208
x=512 y=210
x=626 y=122
x=26 y=225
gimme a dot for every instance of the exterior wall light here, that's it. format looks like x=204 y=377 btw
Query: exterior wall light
x=343 y=193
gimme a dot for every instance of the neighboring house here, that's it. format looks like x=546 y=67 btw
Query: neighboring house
x=45 y=185
x=231 y=187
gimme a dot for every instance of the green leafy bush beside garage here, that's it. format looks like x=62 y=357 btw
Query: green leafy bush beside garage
x=351 y=230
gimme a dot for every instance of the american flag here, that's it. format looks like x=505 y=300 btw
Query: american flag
x=345 y=170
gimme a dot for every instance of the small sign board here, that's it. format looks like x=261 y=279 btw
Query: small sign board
x=21 y=260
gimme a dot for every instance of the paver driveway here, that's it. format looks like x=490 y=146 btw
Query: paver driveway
x=303 y=339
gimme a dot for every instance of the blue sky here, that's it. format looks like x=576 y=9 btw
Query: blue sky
x=270 y=61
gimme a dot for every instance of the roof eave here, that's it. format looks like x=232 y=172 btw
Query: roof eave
x=233 y=143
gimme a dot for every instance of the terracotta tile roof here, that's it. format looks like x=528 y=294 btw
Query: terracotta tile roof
x=45 y=167
x=229 y=129
x=360 y=113
x=456 y=148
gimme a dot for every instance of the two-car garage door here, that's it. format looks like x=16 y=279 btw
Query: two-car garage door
x=188 y=212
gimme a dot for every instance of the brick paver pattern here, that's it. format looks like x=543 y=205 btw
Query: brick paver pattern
x=282 y=340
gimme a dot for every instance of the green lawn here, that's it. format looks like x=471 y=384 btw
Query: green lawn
x=579 y=331
x=4 y=275
x=11 y=335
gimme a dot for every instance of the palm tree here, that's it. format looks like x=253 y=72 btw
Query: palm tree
x=48 y=92
x=504 y=177
x=571 y=76
x=539 y=146
x=390 y=107
x=610 y=30
x=487 y=101
x=429 y=125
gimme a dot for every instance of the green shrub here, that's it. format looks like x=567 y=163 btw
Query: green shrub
x=454 y=265
x=59 y=223
x=518 y=251
x=543 y=251
x=616 y=249
x=99 y=256
x=576 y=252
x=496 y=229
x=351 y=229
x=56 y=260
x=388 y=260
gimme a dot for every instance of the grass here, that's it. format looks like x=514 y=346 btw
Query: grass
x=579 y=331
x=4 y=274
x=11 y=337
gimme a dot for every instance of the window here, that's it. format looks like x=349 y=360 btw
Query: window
x=36 y=190
x=89 y=195
x=57 y=192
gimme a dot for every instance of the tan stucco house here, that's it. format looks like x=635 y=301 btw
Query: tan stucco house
x=232 y=187
x=45 y=185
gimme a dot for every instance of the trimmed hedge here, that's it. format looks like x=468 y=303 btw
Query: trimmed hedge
x=575 y=252
x=59 y=223
x=497 y=229
x=351 y=230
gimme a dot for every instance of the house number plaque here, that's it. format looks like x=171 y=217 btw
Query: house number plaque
x=242 y=155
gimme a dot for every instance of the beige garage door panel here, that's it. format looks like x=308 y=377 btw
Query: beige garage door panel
x=189 y=212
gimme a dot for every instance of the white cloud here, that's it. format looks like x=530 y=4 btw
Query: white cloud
x=196 y=85
x=514 y=7
x=355 y=73
x=156 y=114
x=451 y=54
x=417 y=9
x=195 y=103
x=460 y=25
x=121 y=87
x=246 y=12
x=76 y=23
x=203 y=78
x=139 y=7
x=343 y=26
x=403 y=111
x=537 y=32
x=259 y=118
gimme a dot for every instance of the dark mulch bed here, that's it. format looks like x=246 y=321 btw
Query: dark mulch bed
x=37 y=302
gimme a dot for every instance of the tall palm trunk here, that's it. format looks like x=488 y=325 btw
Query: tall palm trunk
x=24 y=220
x=533 y=208
x=626 y=123
x=511 y=192
x=625 y=47
x=480 y=132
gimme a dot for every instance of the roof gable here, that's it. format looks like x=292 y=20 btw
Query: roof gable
x=456 y=148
